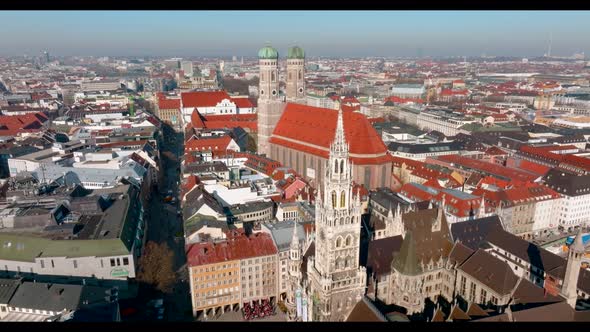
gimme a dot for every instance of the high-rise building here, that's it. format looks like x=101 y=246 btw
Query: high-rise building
x=187 y=68
x=295 y=75
x=336 y=279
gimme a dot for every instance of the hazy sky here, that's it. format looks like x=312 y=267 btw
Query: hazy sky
x=320 y=33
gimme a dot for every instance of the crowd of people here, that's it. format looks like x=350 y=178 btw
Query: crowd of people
x=258 y=310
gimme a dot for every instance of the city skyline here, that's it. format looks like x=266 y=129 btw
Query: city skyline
x=320 y=33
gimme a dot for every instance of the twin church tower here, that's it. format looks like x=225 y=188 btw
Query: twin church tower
x=334 y=280
x=270 y=101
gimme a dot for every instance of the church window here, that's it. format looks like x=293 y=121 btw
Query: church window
x=273 y=77
x=338 y=242
x=342 y=199
x=346 y=263
x=348 y=240
x=262 y=76
x=336 y=166
x=463 y=285
x=483 y=296
x=472 y=292
x=300 y=74
x=341 y=166
x=290 y=76
x=333 y=199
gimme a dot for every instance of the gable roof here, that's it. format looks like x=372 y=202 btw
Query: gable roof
x=528 y=252
x=203 y=98
x=490 y=271
x=381 y=253
x=365 y=311
x=473 y=233
x=312 y=129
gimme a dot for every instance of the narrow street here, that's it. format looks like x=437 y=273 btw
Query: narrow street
x=169 y=227
x=165 y=226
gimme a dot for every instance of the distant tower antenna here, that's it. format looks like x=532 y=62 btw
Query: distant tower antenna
x=550 y=42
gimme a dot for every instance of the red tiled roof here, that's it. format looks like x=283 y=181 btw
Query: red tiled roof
x=523 y=192
x=317 y=126
x=237 y=246
x=490 y=168
x=203 y=98
x=261 y=164
x=410 y=163
x=242 y=102
x=12 y=125
x=490 y=180
x=414 y=193
x=169 y=104
x=556 y=147
x=348 y=108
x=495 y=151
x=196 y=120
x=533 y=167
x=215 y=144
x=231 y=117
x=577 y=161
x=199 y=121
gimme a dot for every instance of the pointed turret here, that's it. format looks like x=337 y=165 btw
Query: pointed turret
x=406 y=261
x=572 y=271
x=482 y=208
x=339 y=145
x=390 y=214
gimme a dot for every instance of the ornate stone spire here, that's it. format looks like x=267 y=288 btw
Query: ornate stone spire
x=441 y=208
x=295 y=238
x=339 y=145
x=482 y=208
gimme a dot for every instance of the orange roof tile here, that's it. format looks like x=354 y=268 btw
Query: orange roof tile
x=316 y=126
x=237 y=246
x=203 y=98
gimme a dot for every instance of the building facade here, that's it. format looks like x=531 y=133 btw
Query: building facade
x=337 y=281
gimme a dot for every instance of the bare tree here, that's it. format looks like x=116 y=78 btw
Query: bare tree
x=156 y=266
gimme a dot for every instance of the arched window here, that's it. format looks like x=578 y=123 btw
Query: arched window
x=338 y=242
x=333 y=199
x=300 y=74
x=348 y=240
x=341 y=166
x=346 y=263
x=273 y=78
x=335 y=166
x=352 y=220
x=342 y=199
x=341 y=221
x=290 y=75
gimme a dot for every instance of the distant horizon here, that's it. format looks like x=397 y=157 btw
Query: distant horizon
x=342 y=34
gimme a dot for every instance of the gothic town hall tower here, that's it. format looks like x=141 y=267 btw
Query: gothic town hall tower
x=336 y=279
